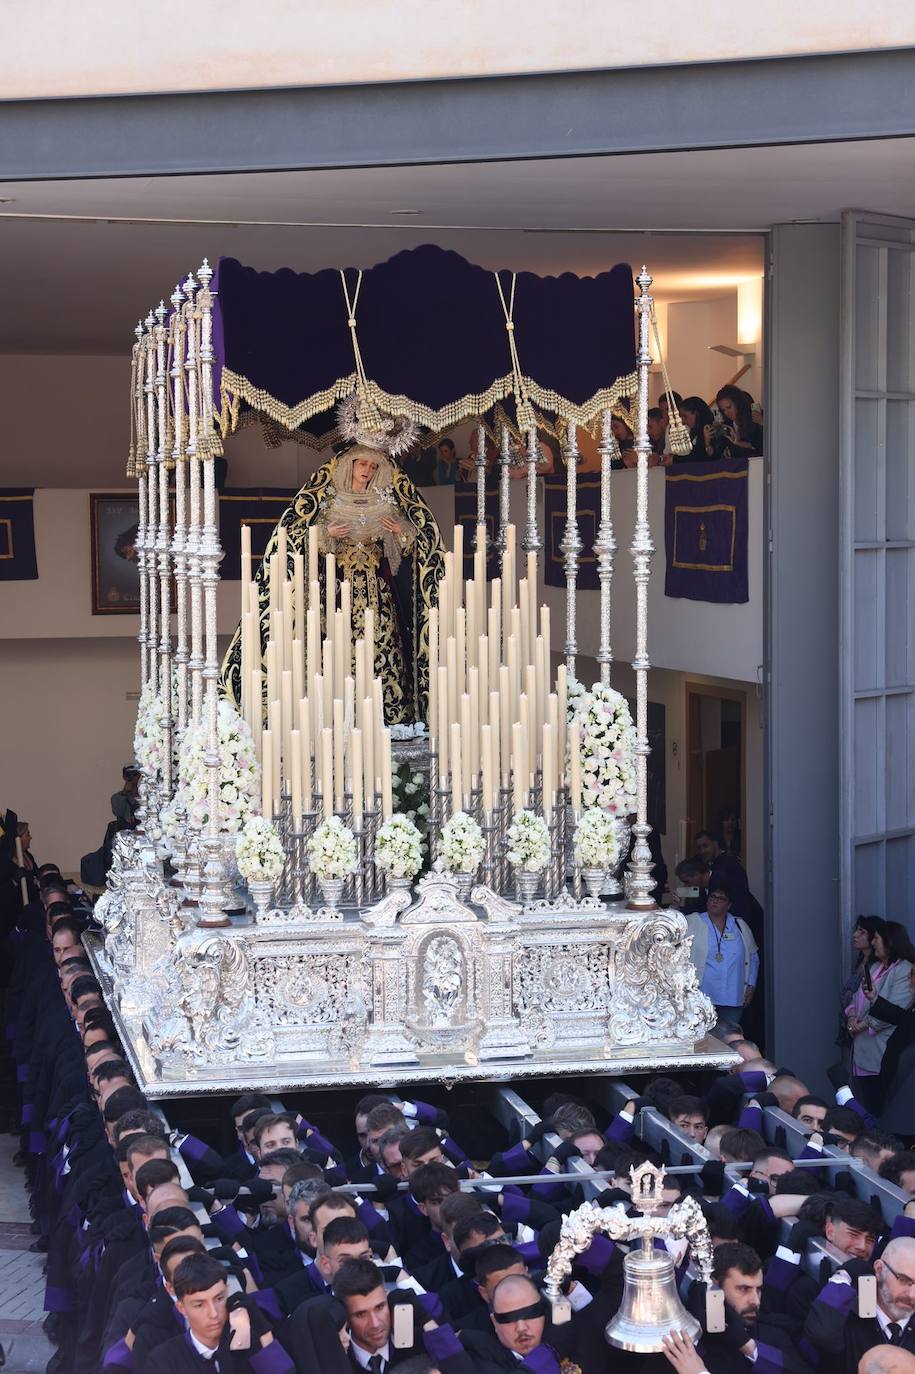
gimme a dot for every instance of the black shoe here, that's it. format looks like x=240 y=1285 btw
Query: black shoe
x=39 y=1246
x=59 y=1362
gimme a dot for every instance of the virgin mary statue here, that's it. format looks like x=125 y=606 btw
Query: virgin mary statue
x=386 y=543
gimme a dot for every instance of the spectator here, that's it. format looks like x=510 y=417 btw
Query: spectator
x=891 y=980
x=707 y=445
x=446 y=464
x=657 y=429
x=728 y=836
x=724 y=953
x=862 y=939
x=743 y=435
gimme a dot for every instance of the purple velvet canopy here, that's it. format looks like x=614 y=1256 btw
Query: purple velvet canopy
x=431 y=331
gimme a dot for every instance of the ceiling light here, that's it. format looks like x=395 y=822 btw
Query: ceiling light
x=405 y=212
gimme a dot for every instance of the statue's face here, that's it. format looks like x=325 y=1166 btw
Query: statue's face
x=364 y=470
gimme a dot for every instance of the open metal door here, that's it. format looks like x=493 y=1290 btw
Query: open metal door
x=877 y=566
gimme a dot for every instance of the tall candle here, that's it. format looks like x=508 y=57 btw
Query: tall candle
x=549 y=767
x=327 y=771
x=562 y=694
x=508 y=575
x=457 y=803
x=514 y=675
x=339 y=653
x=245 y=562
x=312 y=563
x=473 y=739
x=276 y=734
x=466 y=749
x=346 y=609
x=524 y=721
x=495 y=726
x=519 y=768
x=473 y=632
x=257 y=704
x=532 y=591
x=286 y=700
x=267 y=774
x=355 y=740
x=316 y=701
x=360 y=670
x=460 y=639
x=524 y=608
x=533 y=724
x=368 y=625
x=368 y=750
x=540 y=675
x=327 y=657
x=288 y=623
x=547 y=633
x=505 y=723
x=298 y=670
x=273 y=575
x=298 y=588
x=492 y=640
x=432 y=712
x=387 y=796
x=446 y=598
x=483 y=668
x=314 y=637
x=339 y=739
x=452 y=678
x=282 y=551
x=330 y=591
x=443 y=723
x=305 y=733
x=487 y=769
x=458 y=582
x=575 y=766
x=295 y=777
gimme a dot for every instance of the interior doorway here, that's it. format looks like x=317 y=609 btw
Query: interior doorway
x=716 y=764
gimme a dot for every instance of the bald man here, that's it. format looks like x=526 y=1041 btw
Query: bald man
x=886 y=1359
x=834 y=1327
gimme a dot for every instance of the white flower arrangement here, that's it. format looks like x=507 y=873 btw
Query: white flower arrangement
x=461 y=845
x=239 y=773
x=528 y=842
x=603 y=718
x=259 y=852
x=332 y=850
x=595 y=840
x=399 y=848
x=149 y=734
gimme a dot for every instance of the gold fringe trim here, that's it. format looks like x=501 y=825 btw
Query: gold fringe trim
x=236 y=388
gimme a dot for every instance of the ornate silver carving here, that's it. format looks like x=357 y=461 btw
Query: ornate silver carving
x=655 y=990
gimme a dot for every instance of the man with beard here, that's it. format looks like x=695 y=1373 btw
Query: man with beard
x=836 y=1330
x=746 y=1343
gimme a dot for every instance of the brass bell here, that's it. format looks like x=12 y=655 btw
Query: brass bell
x=651 y=1308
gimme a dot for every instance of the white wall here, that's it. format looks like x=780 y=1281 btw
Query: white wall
x=55 y=47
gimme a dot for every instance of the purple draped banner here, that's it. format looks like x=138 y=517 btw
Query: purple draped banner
x=705 y=531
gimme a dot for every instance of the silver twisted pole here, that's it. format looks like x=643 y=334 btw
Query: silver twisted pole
x=571 y=545
x=163 y=547
x=532 y=543
x=480 y=463
x=142 y=484
x=152 y=464
x=195 y=661
x=505 y=458
x=605 y=546
x=640 y=866
x=179 y=544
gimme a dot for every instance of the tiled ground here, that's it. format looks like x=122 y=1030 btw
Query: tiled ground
x=21 y=1278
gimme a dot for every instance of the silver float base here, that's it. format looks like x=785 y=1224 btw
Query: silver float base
x=420 y=987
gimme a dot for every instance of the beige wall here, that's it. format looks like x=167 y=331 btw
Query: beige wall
x=57 y=48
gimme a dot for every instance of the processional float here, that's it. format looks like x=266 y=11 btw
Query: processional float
x=339 y=964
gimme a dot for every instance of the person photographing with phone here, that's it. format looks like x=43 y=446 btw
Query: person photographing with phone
x=890 y=978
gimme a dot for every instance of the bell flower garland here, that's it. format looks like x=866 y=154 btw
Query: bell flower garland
x=258 y=851
x=604 y=721
x=399 y=848
x=528 y=842
x=595 y=840
x=460 y=845
x=332 y=850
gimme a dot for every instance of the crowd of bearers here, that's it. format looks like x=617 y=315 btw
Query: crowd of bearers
x=411 y=1253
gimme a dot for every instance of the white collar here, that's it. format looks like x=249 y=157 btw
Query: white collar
x=362 y=1357
x=886 y=1322
x=201 y=1349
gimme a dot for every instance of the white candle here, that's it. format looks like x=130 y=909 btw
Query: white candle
x=519 y=768
x=288 y=724
x=466 y=749
x=505 y=723
x=267 y=774
x=378 y=711
x=483 y=669
x=327 y=657
x=458 y=582
x=387 y=801
x=298 y=670
x=446 y=598
x=288 y=624
x=330 y=592
x=295 y=777
x=360 y=670
x=276 y=735
x=305 y=733
x=549 y=768
x=575 y=765
x=282 y=551
x=257 y=705
x=339 y=738
x=514 y=675
x=312 y=563
x=368 y=751
x=452 y=678
x=443 y=723
x=245 y=563
x=339 y=653
x=546 y=631
x=495 y=726
x=473 y=739
x=327 y=771
x=460 y=639
x=432 y=711
x=533 y=724
x=524 y=609
x=473 y=632
x=562 y=695
x=346 y=610
x=492 y=640
x=487 y=781
x=356 y=752
x=532 y=592
x=273 y=575
x=314 y=636
x=369 y=631
x=298 y=585
x=456 y=798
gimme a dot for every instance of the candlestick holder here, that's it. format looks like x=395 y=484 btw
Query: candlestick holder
x=574 y=816
x=359 y=877
x=490 y=828
x=371 y=821
x=308 y=887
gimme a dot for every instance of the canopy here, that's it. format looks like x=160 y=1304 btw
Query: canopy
x=430 y=337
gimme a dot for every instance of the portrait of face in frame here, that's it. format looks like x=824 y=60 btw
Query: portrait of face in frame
x=115 y=570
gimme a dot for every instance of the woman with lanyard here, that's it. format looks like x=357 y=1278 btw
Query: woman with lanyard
x=724 y=954
x=891 y=979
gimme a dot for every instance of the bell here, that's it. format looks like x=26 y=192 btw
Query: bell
x=651 y=1308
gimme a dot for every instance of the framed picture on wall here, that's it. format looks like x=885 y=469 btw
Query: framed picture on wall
x=113 y=521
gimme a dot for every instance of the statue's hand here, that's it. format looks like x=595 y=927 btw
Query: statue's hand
x=391 y=525
x=338 y=531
